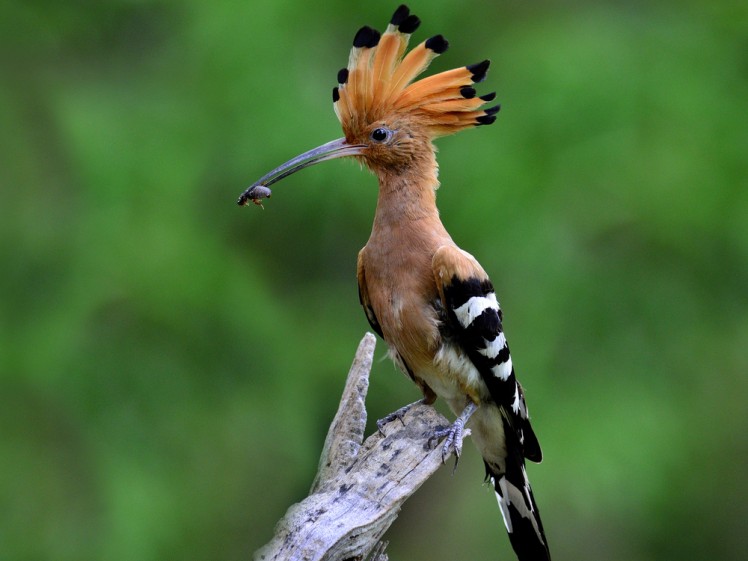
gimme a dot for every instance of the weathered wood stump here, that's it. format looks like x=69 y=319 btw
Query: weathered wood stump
x=360 y=487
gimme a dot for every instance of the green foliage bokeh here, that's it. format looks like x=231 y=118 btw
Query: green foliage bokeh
x=169 y=362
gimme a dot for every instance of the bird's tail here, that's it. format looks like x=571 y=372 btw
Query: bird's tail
x=517 y=503
x=521 y=516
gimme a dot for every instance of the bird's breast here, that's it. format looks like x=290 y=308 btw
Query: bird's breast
x=402 y=292
x=405 y=299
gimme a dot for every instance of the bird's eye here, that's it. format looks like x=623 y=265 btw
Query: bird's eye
x=381 y=134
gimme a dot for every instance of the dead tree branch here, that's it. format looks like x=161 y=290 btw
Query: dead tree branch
x=360 y=487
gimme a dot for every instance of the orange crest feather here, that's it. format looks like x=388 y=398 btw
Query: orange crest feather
x=378 y=82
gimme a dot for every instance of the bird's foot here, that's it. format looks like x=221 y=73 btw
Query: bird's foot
x=454 y=435
x=396 y=415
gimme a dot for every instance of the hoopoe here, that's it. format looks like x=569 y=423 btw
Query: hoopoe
x=431 y=302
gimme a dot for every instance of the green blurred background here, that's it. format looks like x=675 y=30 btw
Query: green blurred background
x=169 y=362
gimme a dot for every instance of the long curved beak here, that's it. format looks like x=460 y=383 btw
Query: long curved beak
x=336 y=149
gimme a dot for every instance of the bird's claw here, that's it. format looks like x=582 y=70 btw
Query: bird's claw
x=395 y=415
x=453 y=436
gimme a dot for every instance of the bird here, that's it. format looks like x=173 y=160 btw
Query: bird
x=431 y=302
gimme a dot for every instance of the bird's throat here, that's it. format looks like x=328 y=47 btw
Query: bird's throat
x=406 y=197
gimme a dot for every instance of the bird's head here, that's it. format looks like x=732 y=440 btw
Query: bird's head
x=388 y=119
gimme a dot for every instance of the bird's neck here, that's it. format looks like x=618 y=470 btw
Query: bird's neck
x=407 y=196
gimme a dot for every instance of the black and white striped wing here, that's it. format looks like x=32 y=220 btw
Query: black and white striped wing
x=474 y=324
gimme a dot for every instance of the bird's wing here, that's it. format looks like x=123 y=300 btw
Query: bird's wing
x=474 y=323
x=363 y=296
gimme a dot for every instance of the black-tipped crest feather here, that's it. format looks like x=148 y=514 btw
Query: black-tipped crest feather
x=479 y=70
x=366 y=37
x=400 y=14
x=410 y=24
x=467 y=92
x=437 y=43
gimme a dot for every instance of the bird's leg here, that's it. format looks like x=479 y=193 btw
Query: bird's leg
x=400 y=413
x=454 y=434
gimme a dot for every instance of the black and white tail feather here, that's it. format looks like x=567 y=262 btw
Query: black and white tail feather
x=475 y=321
